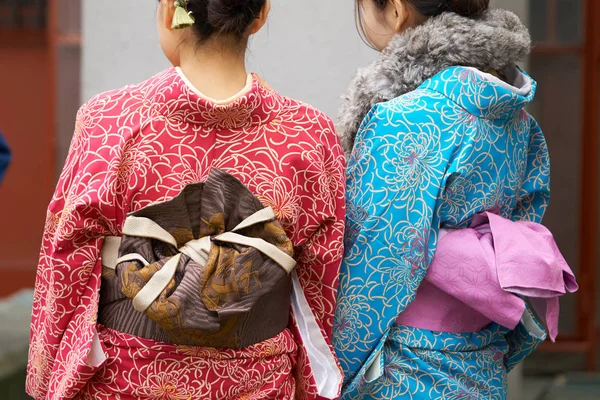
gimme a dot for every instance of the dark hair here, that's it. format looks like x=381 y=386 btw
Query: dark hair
x=224 y=17
x=429 y=8
x=432 y=8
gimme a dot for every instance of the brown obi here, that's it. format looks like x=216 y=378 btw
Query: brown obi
x=209 y=268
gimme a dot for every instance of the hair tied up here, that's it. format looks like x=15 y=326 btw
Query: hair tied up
x=433 y=8
x=468 y=8
x=224 y=17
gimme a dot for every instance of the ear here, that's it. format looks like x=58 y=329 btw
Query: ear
x=402 y=15
x=168 y=7
x=261 y=20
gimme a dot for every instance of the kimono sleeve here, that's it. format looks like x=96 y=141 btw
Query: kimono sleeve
x=320 y=257
x=534 y=196
x=68 y=274
x=533 y=199
x=318 y=268
x=396 y=173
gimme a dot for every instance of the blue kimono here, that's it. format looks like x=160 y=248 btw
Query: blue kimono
x=4 y=157
x=459 y=145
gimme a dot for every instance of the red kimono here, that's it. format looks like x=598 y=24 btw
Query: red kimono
x=141 y=145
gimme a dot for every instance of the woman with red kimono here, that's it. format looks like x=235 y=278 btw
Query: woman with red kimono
x=193 y=210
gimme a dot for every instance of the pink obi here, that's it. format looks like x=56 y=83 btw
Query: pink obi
x=486 y=273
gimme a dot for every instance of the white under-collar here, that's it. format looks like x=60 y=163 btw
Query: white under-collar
x=245 y=90
x=520 y=83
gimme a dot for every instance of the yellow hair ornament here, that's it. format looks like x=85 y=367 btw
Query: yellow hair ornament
x=182 y=18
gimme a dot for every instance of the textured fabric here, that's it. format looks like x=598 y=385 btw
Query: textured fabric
x=425 y=365
x=143 y=369
x=493 y=42
x=235 y=298
x=4 y=157
x=459 y=145
x=478 y=275
x=143 y=144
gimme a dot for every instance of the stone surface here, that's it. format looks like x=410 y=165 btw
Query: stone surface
x=573 y=385
x=15 y=315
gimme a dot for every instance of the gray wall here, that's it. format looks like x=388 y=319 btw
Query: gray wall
x=520 y=7
x=309 y=49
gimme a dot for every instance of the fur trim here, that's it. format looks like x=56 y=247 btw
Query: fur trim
x=496 y=40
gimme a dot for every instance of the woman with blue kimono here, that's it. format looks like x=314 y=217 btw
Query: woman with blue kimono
x=438 y=140
x=4 y=157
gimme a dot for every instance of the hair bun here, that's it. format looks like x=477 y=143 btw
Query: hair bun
x=469 y=8
x=232 y=16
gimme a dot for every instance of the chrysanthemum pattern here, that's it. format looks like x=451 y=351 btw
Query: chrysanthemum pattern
x=433 y=158
x=140 y=145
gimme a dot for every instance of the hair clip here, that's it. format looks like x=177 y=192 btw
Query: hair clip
x=182 y=18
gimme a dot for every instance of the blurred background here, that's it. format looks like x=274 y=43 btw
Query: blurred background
x=55 y=54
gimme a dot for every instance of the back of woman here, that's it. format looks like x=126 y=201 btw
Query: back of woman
x=159 y=173
x=439 y=140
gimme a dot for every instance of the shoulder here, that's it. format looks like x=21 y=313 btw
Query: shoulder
x=311 y=122
x=113 y=102
x=416 y=111
x=306 y=114
x=415 y=105
x=107 y=120
x=124 y=100
x=106 y=113
x=420 y=123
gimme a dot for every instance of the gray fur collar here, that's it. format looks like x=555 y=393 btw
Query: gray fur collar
x=494 y=41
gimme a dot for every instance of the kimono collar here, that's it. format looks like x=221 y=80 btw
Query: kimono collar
x=485 y=95
x=173 y=96
x=493 y=42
